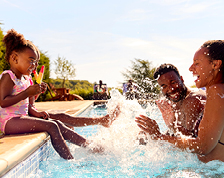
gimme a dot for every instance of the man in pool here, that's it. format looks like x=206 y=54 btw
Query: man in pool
x=182 y=108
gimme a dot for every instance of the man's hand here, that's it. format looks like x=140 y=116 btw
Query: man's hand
x=167 y=112
x=148 y=125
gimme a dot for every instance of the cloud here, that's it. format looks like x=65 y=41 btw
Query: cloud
x=11 y=4
x=136 y=15
x=106 y=55
x=19 y=7
x=177 y=10
x=195 y=8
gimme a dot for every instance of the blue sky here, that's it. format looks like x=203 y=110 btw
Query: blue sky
x=102 y=37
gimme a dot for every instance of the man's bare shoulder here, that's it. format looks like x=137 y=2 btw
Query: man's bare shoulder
x=195 y=95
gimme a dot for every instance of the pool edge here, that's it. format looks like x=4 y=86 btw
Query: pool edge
x=7 y=165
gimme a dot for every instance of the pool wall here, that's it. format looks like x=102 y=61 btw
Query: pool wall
x=20 y=155
x=31 y=164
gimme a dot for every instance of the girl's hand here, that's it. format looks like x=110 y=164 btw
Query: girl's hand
x=43 y=87
x=148 y=125
x=34 y=90
x=44 y=115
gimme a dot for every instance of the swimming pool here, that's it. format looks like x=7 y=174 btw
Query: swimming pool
x=123 y=156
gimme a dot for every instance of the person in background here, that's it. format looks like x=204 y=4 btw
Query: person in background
x=100 y=91
x=209 y=69
x=15 y=93
x=101 y=88
x=124 y=88
x=131 y=86
x=131 y=90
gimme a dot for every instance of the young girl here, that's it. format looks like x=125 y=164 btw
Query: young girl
x=15 y=91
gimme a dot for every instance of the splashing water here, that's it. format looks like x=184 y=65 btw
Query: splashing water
x=124 y=157
x=221 y=95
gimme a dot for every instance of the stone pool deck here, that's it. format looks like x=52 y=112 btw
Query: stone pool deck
x=16 y=148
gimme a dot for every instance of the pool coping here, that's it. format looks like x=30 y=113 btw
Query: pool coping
x=16 y=148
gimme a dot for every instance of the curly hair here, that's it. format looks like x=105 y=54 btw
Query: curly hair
x=164 y=68
x=15 y=41
x=216 y=51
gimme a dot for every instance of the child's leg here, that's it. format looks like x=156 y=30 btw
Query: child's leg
x=70 y=135
x=20 y=125
x=75 y=138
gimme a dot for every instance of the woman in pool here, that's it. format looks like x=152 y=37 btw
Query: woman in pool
x=209 y=69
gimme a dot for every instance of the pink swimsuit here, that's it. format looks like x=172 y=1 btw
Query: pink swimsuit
x=18 y=109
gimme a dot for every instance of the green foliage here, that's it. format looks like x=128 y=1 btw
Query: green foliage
x=3 y=64
x=44 y=60
x=64 y=69
x=141 y=72
x=119 y=89
x=86 y=94
x=82 y=88
x=72 y=84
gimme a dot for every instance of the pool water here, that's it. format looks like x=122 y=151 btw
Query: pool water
x=123 y=156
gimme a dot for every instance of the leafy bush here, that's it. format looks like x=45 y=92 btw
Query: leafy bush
x=86 y=94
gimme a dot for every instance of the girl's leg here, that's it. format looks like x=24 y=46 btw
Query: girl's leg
x=75 y=138
x=20 y=125
x=70 y=135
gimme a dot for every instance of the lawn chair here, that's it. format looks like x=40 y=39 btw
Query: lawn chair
x=61 y=94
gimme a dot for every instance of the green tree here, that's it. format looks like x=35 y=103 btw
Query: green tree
x=82 y=88
x=3 y=64
x=64 y=69
x=141 y=72
x=44 y=60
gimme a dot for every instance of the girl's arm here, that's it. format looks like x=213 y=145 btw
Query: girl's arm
x=33 y=112
x=6 y=88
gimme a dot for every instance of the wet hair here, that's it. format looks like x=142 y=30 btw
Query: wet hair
x=15 y=41
x=164 y=68
x=215 y=50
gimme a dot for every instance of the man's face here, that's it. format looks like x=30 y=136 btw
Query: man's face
x=172 y=86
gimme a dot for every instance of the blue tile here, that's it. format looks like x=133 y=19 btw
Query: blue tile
x=31 y=164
